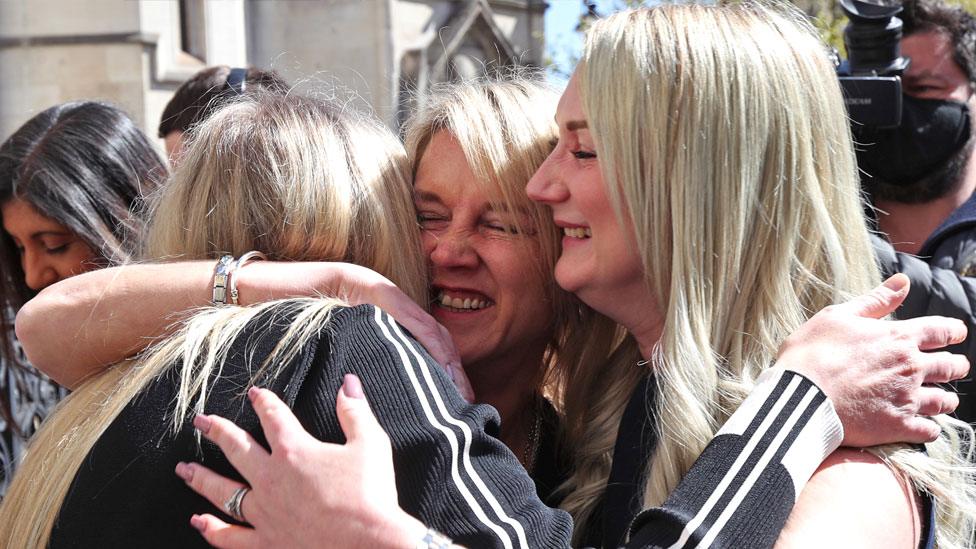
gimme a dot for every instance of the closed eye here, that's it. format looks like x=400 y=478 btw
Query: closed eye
x=508 y=229
x=430 y=221
x=58 y=250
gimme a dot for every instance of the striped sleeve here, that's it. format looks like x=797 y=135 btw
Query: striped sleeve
x=744 y=485
x=451 y=472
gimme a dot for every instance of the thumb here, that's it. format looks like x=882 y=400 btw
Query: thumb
x=882 y=300
x=355 y=417
x=461 y=381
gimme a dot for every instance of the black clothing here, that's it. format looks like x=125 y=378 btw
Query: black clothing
x=551 y=468
x=942 y=284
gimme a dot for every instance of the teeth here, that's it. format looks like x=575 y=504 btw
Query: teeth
x=457 y=303
x=577 y=232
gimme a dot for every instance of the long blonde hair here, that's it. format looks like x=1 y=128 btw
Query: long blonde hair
x=293 y=176
x=724 y=138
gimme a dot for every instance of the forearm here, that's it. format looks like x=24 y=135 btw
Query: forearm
x=84 y=323
x=744 y=485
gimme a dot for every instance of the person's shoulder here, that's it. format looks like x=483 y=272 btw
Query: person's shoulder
x=855 y=499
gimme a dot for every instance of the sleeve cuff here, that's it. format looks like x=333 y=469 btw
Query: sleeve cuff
x=744 y=484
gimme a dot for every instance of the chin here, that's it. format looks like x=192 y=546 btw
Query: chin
x=569 y=278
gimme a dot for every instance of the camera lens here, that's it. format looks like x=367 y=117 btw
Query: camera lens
x=872 y=37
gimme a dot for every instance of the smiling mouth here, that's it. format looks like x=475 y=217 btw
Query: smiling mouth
x=577 y=232
x=457 y=303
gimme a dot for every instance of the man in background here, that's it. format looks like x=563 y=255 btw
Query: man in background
x=921 y=177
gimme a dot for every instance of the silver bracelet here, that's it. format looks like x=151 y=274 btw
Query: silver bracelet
x=222 y=271
x=434 y=540
x=249 y=256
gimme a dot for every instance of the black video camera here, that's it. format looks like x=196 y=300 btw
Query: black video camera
x=871 y=76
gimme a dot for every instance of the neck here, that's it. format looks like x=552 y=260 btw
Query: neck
x=908 y=226
x=510 y=384
x=637 y=311
x=647 y=335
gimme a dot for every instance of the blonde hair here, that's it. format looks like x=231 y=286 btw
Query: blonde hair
x=724 y=138
x=289 y=175
x=505 y=128
x=297 y=178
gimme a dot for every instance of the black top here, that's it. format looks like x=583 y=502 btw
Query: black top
x=551 y=467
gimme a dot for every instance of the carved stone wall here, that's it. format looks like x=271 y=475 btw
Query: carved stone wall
x=135 y=53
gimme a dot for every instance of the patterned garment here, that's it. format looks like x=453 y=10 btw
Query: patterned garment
x=32 y=396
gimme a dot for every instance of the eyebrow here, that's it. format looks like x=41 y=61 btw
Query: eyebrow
x=426 y=196
x=39 y=234
x=574 y=125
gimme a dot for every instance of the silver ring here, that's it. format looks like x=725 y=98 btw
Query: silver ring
x=233 y=503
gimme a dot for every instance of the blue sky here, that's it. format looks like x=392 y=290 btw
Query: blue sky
x=562 y=40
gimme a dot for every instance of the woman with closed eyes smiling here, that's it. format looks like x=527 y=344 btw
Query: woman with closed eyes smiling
x=69 y=178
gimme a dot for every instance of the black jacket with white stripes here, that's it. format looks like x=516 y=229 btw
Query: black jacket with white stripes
x=743 y=486
x=451 y=471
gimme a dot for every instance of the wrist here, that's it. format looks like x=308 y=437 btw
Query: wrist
x=400 y=531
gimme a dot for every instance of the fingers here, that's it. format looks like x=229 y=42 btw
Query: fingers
x=933 y=401
x=246 y=455
x=434 y=337
x=216 y=488
x=881 y=301
x=355 y=417
x=461 y=381
x=225 y=536
x=944 y=367
x=452 y=353
x=934 y=332
x=920 y=430
x=277 y=420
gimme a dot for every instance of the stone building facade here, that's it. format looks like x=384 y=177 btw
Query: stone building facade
x=134 y=53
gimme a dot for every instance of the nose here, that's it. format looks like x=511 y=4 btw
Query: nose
x=38 y=274
x=451 y=249
x=545 y=186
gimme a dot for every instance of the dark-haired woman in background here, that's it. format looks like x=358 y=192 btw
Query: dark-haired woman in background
x=69 y=178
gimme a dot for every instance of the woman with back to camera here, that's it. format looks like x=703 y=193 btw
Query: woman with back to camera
x=69 y=180
x=711 y=235
x=288 y=174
